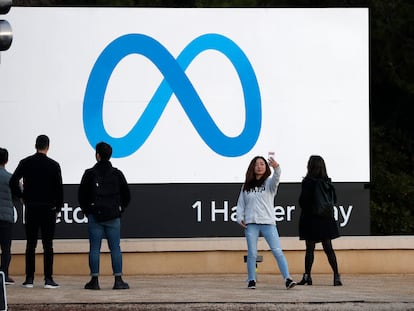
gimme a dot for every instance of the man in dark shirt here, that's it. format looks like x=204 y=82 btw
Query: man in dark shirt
x=37 y=181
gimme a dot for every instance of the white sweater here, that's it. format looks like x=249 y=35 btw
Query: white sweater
x=257 y=206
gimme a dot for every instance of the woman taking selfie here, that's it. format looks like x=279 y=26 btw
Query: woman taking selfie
x=255 y=213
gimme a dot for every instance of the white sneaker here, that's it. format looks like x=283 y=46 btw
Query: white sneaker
x=28 y=283
x=49 y=283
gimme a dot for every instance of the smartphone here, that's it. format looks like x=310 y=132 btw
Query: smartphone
x=271 y=154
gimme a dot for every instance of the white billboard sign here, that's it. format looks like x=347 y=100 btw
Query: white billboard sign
x=189 y=95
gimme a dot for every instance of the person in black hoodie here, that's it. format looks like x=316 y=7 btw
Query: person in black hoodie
x=103 y=195
x=315 y=228
x=37 y=181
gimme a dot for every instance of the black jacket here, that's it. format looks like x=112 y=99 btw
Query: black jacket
x=313 y=227
x=42 y=181
x=86 y=188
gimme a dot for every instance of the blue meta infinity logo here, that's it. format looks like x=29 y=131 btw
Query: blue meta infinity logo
x=175 y=80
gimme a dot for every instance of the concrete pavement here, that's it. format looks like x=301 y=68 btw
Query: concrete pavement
x=217 y=292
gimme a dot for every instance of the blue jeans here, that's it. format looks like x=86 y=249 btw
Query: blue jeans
x=110 y=229
x=271 y=236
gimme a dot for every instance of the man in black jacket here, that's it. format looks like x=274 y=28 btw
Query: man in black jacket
x=103 y=195
x=37 y=181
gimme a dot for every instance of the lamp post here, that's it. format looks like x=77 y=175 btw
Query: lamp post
x=6 y=34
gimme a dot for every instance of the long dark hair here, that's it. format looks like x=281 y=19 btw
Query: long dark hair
x=251 y=181
x=317 y=167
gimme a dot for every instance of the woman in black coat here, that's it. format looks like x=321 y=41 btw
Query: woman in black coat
x=314 y=228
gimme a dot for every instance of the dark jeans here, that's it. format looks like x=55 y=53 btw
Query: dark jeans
x=6 y=230
x=111 y=230
x=44 y=219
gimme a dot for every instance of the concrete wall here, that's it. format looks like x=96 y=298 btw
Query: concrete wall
x=385 y=254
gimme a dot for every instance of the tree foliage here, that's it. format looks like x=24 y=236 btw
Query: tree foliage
x=392 y=108
x=392 y=186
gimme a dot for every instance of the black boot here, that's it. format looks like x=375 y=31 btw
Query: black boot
x=306 y=279
x=337 y=280
x=119 y=283
x=93 y=283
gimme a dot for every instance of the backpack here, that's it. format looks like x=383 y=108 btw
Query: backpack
x=324 y=199
x=107 y=198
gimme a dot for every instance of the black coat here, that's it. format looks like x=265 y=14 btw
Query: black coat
x=42 y=179
x=86 y=193
x=313 y=227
